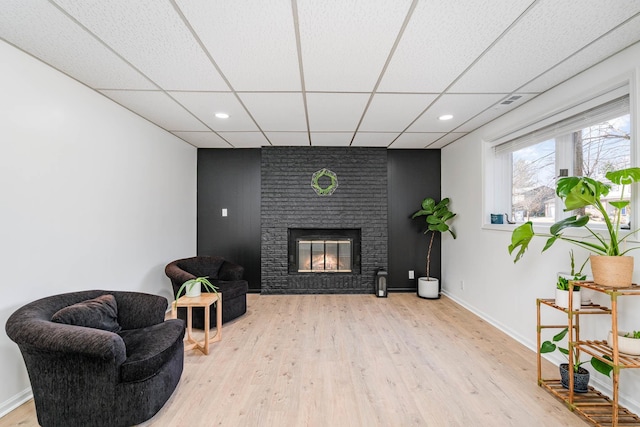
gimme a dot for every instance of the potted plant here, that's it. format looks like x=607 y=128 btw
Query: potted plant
x=610 y=265
x=562 y=285
x=580 y=374
x=436 y=216
x=628 y=342
x=193 y=287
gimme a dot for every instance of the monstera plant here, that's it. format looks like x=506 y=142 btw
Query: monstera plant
x=582 y=192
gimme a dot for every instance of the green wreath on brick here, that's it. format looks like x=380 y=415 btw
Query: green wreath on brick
x=328 y=190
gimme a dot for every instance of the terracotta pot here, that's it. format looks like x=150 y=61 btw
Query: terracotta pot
x=612 y=271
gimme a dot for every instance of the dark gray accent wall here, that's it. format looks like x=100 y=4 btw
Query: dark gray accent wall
x=230 y=179
x=288 y=201
x=400 y=179
x=413 y=175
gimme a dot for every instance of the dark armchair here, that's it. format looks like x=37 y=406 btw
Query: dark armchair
x=99 y=358
x=224 y=274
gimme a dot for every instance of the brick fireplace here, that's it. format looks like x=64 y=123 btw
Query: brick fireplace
x=288 y=202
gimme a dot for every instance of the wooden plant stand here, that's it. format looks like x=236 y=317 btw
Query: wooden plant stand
x=594 y=406
x=204 y=300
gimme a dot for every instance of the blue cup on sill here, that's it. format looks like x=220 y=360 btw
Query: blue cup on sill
x=497 y=219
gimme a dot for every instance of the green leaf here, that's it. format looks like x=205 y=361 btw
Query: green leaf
x=560 y=335
x=429 y=204
x=619 y=204
x=547 y=347
x=563 y=351
x=624 y=176
x=602 y=367
x=521 y=237
x=550 y=242
x=571 y=222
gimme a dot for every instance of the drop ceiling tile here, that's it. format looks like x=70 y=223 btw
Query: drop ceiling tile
x=545 y=36
x=394 y=112
x=461 y=106
x=40 y=29
x=335 y=111
x=436 y=46
x=494 y=111
x=346 y=44
x=416 y=139
x=253 y=43
x=157 y=107
x=623 y=36
x=276 y=111
x=150 y=35
x=374 y=139
x=206 y=104
x=331 y=139
x=447 y=139
x=203 y=139
x=245 y=139
x=293 y=139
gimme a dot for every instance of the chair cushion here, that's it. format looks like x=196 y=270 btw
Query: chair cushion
x=148 y=349
x=98 y=313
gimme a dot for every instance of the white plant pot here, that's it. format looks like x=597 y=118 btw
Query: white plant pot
x=625 y=344
x=428 y=287
x=194 y=290
x=562 y=299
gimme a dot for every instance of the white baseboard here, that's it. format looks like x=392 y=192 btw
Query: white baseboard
x=15 y=401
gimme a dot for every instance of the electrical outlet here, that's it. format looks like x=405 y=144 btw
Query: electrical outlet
x=411 y=274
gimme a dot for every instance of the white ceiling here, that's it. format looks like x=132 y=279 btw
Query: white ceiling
x=366 y=73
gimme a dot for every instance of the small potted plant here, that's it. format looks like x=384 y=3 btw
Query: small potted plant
x=193 y=287
x=628 y=342
x=562 y=285
x=436 y=216
x=580 y=374
x=610 y=265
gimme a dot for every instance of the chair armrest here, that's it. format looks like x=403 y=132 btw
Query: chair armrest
x=177 y=275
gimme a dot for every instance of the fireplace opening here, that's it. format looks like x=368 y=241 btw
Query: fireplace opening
x=324 y=250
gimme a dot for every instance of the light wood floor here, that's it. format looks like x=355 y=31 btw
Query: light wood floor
x=357 y=360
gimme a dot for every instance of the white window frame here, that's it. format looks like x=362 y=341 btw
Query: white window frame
x=497 y=173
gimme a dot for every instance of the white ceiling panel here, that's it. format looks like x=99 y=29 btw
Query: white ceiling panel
x=276 y=111
x=293 y=139
x=447 y=139
x=203 y=139
x=335 y=111
x=412 y=140
x=374 y=139
x=345 y=44
x=543 y=37
x=245 y=139
x=461 y=106
x=601 y=49
x=496 y=110
x=253 y=42
x=206 y=104
x=331 y=139
x=394 y=112
x=150 y=35
x=436 y=46
x=158 y=108
x=41 y=29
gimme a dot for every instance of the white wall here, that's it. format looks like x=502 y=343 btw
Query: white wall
x=498 y=290
x=91 y=197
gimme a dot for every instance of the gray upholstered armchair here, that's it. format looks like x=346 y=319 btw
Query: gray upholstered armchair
x=224 y=274
x=99 y=358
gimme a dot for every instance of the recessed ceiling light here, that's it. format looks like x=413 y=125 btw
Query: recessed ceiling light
x=445 y=117
x=222 y=115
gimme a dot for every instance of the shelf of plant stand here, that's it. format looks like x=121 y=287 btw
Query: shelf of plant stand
x=584 y=309
x=594 y=406
x=600 y=348
x=634 y=289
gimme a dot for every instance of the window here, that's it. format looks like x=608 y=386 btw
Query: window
x=589 y=143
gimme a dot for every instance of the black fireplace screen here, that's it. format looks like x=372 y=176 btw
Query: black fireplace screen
x=324 y=250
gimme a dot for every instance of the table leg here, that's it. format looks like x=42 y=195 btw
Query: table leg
x=207 y=326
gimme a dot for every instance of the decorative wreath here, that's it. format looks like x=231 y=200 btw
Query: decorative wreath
x=326 y=191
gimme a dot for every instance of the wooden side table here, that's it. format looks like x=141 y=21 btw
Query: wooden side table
x=204 y=300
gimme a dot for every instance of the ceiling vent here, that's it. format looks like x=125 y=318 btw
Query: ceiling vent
x=506 y=102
